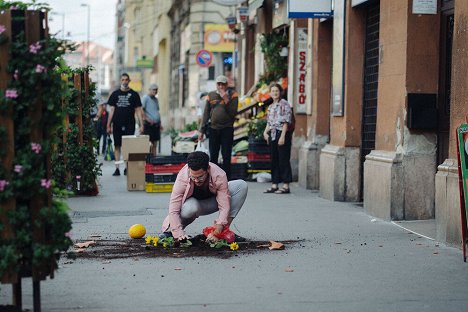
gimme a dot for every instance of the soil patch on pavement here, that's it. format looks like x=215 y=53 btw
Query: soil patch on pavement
x=137 y=248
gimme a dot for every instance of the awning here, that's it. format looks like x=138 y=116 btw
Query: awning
x=253 y=6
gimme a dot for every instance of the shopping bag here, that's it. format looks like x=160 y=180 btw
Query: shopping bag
x=226 y=234
x=109 y=150
x=202 y=148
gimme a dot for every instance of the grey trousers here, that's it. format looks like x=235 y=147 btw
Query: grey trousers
x=193 y=208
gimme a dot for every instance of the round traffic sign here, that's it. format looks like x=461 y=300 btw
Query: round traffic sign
x=204 y=58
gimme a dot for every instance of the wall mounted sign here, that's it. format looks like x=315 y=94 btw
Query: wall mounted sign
x=301 y=72
x=424 y=6
x=309 y=9
x=219 y=38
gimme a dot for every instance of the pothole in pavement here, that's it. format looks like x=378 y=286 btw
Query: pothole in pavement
x=136 y=248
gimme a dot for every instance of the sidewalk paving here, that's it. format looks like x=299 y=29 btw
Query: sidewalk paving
x=346 y=261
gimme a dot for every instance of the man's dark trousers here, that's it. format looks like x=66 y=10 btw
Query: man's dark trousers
x=222 y=138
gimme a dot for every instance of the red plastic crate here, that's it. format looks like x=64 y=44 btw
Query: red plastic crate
x=169 y=168
x=252 y=156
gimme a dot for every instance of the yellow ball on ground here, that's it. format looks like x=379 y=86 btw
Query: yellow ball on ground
x=137 y=231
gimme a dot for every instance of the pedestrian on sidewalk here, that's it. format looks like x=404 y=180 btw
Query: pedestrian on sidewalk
x=218 y=120
x=202 y=188
x=279 y=138
x=124 y=104
x=101 y=126
x=152 y=118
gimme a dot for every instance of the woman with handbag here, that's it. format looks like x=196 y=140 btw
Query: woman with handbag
x=279 y=138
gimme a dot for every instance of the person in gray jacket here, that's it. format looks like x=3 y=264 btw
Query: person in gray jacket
x=152 y=118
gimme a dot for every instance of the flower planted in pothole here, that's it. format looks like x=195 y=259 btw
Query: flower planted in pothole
x=223 y=243
x=167 y=242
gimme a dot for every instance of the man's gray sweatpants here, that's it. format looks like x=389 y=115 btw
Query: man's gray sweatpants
x=193 y=208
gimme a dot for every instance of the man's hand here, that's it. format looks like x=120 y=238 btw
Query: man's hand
x=182 y=238
x=218 y=229
x=201 y=136
x=211 y=238
x=109 y=129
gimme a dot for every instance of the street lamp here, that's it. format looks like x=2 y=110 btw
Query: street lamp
x=87 y=43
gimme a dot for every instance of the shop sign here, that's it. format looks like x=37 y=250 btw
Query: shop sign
x=219 y=38
x=309 y=9
x=243 y=13
x=144 y=63
x=424 y=6
x=301 y=72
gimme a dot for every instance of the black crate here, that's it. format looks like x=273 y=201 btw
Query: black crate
x=166 y=159
x=160 y=178
x=259 y=165
x=239 y=171
x=259 y=146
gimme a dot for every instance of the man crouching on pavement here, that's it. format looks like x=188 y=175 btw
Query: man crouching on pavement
x=202 y=188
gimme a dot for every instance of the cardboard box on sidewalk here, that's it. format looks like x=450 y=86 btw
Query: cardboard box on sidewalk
x=136 y=171
x=135 y=144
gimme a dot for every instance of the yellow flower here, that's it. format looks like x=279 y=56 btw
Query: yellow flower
x=165 y=245
x=148 y=239
x=155 y=241
x=234 y=246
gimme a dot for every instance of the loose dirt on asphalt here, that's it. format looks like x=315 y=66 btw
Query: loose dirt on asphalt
x=130 y=248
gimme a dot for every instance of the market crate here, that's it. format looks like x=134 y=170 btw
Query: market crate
x=259 y=165
x=258 y=170
x=252 y=156
x=259 y=146
x=160 y=178
x=169 y=168
x=239 y=171
x=166 y=159
x=158 y=187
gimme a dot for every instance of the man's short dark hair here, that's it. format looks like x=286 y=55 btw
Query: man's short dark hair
x=125 y=75
x=198 y=160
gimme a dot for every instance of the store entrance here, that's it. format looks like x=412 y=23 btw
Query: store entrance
x=445 y=72
x=371 y=81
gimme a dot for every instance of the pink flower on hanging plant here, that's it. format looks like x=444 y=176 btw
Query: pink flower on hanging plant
x=36 y=147
x=78 y=177
x=11 y=93
x=18 y=168
x=3 y=184
x=33 y=48
x=2 y=29
x=46 y=183
x=40 y=69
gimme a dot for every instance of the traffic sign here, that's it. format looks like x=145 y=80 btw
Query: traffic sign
x=204 y=58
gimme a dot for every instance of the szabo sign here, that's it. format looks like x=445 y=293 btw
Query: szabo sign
x=204 y=58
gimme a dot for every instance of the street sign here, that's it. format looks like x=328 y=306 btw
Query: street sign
x=204 y=58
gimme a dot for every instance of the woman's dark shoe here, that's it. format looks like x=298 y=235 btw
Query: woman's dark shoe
x=283 y=191
x=271 y=190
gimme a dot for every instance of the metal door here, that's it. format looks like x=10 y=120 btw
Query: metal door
x=371 y=78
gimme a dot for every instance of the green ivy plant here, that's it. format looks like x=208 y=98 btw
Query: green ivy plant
x=76 y=166
x=276 y=66
x=35 y=83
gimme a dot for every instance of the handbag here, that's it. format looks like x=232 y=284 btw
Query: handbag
x=110 y=150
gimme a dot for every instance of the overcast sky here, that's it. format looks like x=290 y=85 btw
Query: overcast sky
x=75 y=17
